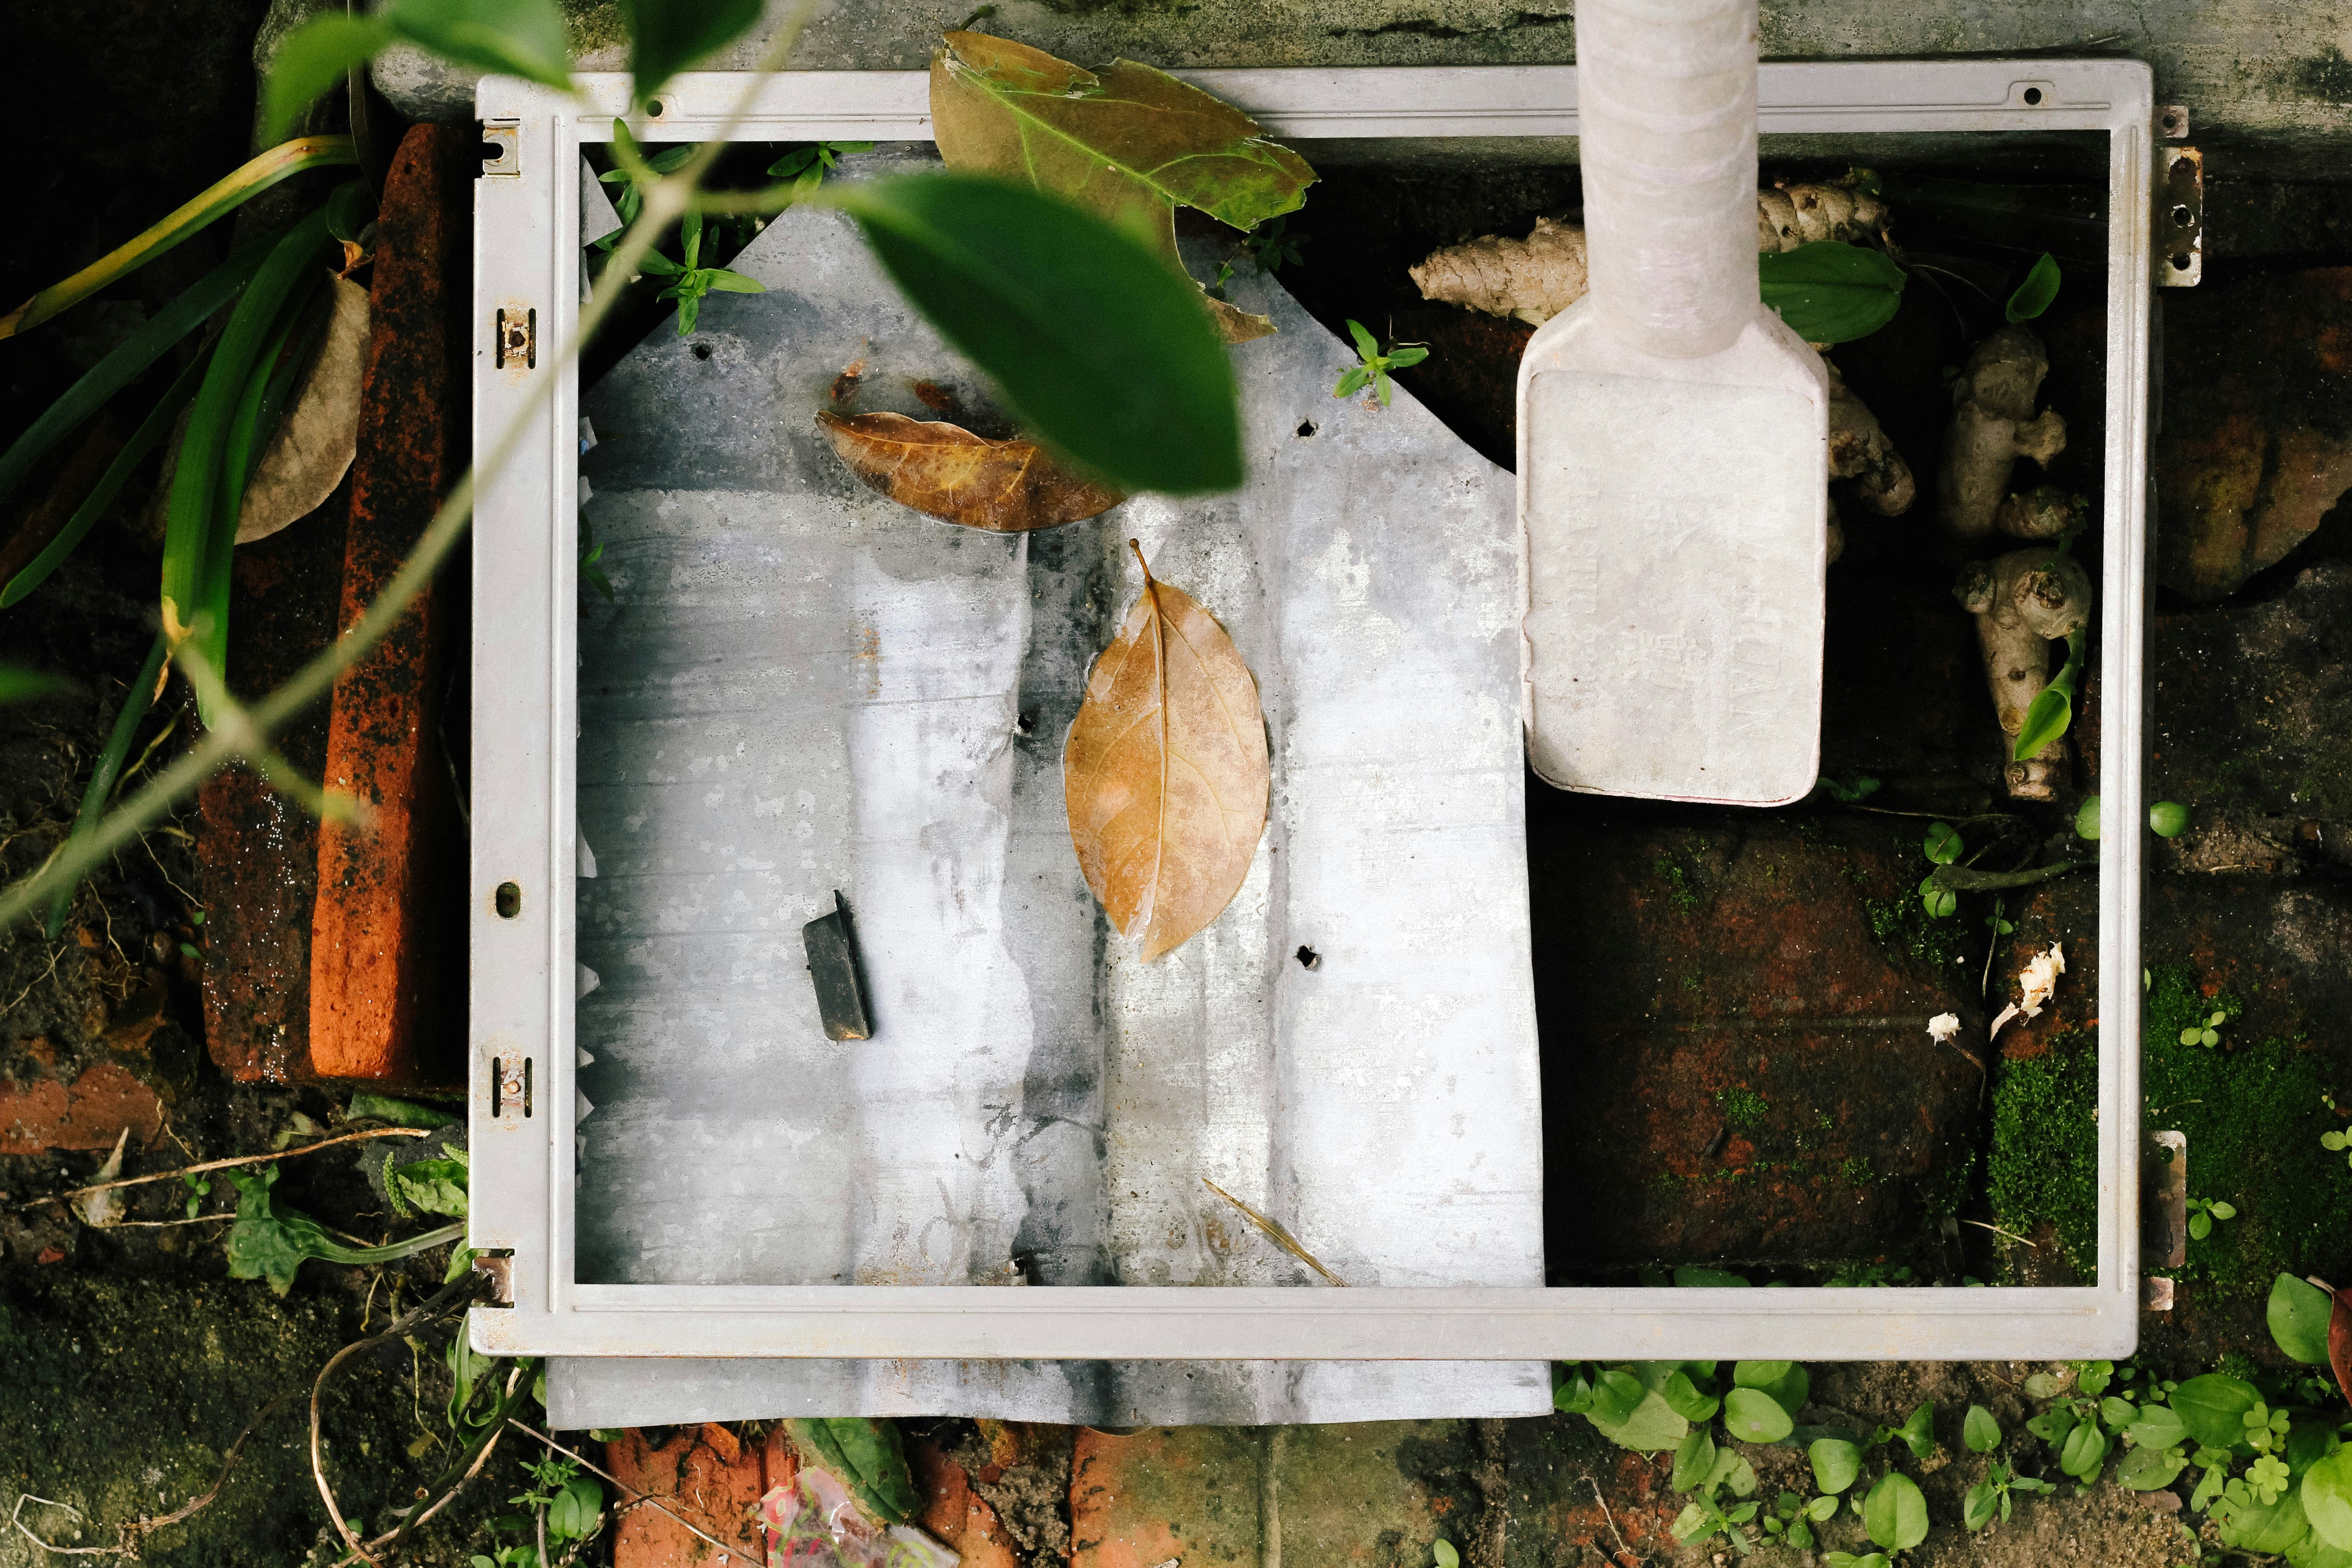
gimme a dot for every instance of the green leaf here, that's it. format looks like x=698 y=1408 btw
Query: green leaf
x=1691 y=1277
x=2053 y=1426
x=2150 y=1470
x=1651 y=1427
x=2212 y=1407
x=1351 y=381
x=2326 y=1495
x=574 y=1513
x=1443 y=1550
x=1848 y=1560
x=1940 y=901
x=868 y=1457
x=2118 y=1413
x=18 y=684
x=728 y=282
x=2087 y=818
x=1982 y=1502
x=1126 y=142
x=2201 y=1226
x=1918 y=1433
x=1760 y=1374
x=2298 y=1313
x=524 y=38
x=1404 y=356
x=2084 y=1452
x=2167 y=819
x=1366 y=344
x=1979 y=1430
x=1096 y=346
x=2046 y=718
x=2158 y=1426
x=2256 y=1526
x=1836 y=1463
x=1831 y=292
x=1616 y=1394
x=1895 y=1513
x=1753 y=1416
x=667 y=35
x=1943 y=845
x=399 y=1113
x=1693 y=1459
x=1683 y=1395
x=2033 y=295
x=313 y=60
x=428 y=1186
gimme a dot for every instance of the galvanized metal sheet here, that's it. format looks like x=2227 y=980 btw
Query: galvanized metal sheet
x=806 y=686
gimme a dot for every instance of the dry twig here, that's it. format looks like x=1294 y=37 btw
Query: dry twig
x=220 y=1164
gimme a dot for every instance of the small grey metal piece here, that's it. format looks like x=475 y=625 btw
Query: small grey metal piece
x=2172 y=122
x=2164 y=1200
x=506 y=135
x=2155 y=1293
x=833 y=965
x=2181 y=217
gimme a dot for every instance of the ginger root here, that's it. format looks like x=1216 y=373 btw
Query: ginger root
x=1536 y=279
x=1860 y=451
x=2045 y=512
x=2023 y=601
x=1993 y=425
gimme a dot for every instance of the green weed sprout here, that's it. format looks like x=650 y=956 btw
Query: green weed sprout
x=1376 y=365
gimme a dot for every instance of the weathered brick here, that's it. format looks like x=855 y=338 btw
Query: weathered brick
x=1734 y=1012
x=704 y=1476
x=955 y=1513
x=387 y=942
x=91 y=1113
x=1192 y=1493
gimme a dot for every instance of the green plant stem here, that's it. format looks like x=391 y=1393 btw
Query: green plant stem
x=239 y=729
x=1967 y=879
x=249 y=430
x=221 y=197
x=143 y=441
x=135 y=704
x=131 y=359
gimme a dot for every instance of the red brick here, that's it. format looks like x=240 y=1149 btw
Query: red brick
x=1186 y=1492
x=91 y=1113
x=698 y=1482
x=957 y=1515
x=386 y=955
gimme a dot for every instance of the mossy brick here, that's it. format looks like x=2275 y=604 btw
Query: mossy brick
x=1736 y=1063
x=1192 y=1493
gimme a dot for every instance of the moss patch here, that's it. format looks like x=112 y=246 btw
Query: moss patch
x=1904 y=929
x=1742 y=1106
x=2044 y=1165
x=2253 y=1113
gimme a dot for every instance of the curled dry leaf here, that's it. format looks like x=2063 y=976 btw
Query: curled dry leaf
x=313 y=446
x=1005 y=487
x=1165 y=774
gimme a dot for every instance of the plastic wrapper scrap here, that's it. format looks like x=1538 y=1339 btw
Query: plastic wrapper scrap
x=811 y=1521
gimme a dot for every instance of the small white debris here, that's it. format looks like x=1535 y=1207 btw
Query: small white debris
x=103 y=1209
x=2039 y=978
x=1943 y=1027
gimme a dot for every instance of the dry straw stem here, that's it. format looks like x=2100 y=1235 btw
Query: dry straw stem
x=219 y=1166
x=241 y=728
x=1274 y=1232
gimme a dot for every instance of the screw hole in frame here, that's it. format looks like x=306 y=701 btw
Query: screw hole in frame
x=507 y=900
x=2033 y=95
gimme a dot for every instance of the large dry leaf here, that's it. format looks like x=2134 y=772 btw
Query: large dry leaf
x=320 y=434
x=1165 y=774
x=1129 y=143
x=1005 y=487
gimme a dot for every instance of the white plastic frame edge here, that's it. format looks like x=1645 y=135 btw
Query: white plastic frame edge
x=525 y=720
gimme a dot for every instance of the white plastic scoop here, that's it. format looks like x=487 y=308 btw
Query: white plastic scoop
x=1672 y=445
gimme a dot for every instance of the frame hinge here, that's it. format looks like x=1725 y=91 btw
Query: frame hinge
x=2179 y=246
x=502 y=148
x=518 y=337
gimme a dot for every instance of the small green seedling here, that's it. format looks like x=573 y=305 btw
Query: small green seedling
x=693 y=281
x=1943 y=845
x=199 y=1188
x=2207 y=1034
x=2204 y=1211
x=1442 y=1551
x=1848 y=794
x=1270 y=246
x=591 y=552
x=804 y=166
x=2165 y=818
x=2033 y=295
x=2336 y=1143
x=1938 y=900
x=1792 y=1518
x=1989 y=1498
x=1376 y=365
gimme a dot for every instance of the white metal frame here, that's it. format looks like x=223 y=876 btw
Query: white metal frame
x=525 y=723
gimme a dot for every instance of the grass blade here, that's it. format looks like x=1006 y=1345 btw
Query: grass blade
x=135 y=703
x=1274 y=1232
x=221 y=197
x=257 y=409
x=144 y=440
x=194 y=528
x=130 y=358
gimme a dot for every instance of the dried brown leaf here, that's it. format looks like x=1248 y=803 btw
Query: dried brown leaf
x=946 y=470
x=316 y=439
x=1165 y=773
